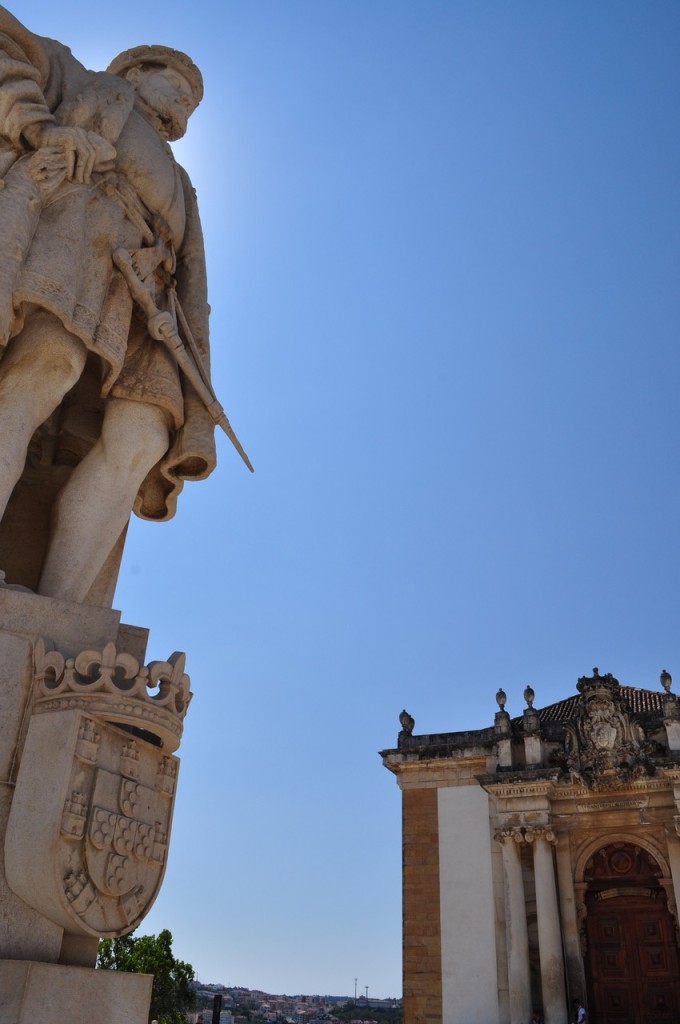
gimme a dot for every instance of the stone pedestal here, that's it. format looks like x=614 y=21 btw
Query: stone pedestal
x=87 y=784
x=38 y=993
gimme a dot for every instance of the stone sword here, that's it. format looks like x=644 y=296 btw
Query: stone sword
x=169 y=335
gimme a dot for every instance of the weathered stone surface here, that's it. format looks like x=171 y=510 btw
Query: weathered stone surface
x=103 y=309
x=85 y=804
x=24 y=932
x=51 y=994
x=87 y=837
x=69 y=626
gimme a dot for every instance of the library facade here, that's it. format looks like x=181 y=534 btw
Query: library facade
x=541 y=861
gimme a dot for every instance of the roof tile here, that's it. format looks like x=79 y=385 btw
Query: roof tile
x=639 y=701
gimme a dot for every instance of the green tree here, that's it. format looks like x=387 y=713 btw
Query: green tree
x=152 y=954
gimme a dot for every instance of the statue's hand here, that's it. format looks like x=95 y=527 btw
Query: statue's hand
x=161 y=326
x=105 y=153
x=83 y=151
x=47 y=167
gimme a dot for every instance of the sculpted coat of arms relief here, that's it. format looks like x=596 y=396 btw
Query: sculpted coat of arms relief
x=114 y=829
x=100 y=742
x=605 y=746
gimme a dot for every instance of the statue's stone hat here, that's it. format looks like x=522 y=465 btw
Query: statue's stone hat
x=164 y=56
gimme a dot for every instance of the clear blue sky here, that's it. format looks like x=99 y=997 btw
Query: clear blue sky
x=442 y=242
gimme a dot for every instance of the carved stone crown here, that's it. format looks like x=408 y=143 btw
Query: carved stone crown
x=600 y=687
x=114 y=686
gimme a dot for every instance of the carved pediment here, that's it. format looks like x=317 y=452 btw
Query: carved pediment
x=604 y=745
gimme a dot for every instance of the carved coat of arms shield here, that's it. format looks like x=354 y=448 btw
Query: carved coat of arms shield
x=88 y=833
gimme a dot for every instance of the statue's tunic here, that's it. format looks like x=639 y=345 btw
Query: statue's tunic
x=145 y=205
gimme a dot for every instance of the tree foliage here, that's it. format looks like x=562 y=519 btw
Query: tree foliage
x=359 y=1011
x=152 y=954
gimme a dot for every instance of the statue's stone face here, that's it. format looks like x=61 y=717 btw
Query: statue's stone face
x=169 y=95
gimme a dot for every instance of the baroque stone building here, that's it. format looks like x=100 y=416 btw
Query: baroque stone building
x=541 y=861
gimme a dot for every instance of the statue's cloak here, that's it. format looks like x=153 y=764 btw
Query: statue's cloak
x=57 y=255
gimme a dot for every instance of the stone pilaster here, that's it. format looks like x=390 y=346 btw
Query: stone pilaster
x=533 y=746
x=673 y=847
x=549 y=935
x=516 y=935
x=580 y=889
x=672 y=721
x=576 y=979
x=422 y=927
x=503 y=733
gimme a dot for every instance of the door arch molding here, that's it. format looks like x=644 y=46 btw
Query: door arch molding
x=647 y=843
x=650 y=844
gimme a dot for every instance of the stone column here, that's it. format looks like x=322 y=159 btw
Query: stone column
x=576 y=978
x=673 y=847
x=549 y=934
x=516 y=935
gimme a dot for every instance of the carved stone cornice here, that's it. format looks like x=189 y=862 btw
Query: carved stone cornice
x=570 y=789
x=621 y=804
x=520 y=784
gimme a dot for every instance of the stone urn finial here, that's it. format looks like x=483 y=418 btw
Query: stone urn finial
x=501 y=698
x=407 y=722
x=529 y=696
x=666 y=680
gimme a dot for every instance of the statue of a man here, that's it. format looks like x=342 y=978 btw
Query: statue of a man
x=88 y=388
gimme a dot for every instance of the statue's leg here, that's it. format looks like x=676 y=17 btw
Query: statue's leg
x=95 y=504
x=40 y=365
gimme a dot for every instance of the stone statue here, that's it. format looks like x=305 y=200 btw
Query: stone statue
x=101 y=263
x=105 y=407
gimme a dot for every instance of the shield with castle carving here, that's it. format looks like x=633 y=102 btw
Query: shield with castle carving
x=123 y=836
x=100 y=797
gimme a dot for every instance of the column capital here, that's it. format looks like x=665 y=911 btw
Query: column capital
x=536 y=832
x=509 y=834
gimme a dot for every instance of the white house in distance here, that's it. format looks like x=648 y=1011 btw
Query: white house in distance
x=541 y=861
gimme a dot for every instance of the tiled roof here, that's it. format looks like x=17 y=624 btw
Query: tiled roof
x=639 y=701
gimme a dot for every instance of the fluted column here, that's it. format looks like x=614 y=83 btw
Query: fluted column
x=576 y=979
x=516 y=934
x=549 y=934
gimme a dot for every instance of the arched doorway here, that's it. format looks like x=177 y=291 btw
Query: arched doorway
x=632 y=960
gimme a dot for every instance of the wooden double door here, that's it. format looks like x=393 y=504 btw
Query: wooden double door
x=632 y=960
